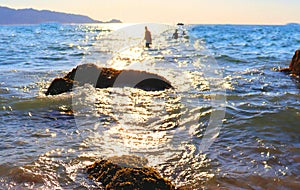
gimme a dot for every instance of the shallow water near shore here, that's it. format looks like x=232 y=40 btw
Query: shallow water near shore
x=46 y=146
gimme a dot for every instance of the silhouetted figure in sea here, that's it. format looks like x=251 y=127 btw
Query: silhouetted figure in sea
x=175 y=35
x=148 y=37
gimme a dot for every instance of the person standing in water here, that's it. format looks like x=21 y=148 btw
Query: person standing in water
x=148 y=37
x=175 y=35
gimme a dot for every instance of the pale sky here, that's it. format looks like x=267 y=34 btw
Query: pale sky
x=174 y=11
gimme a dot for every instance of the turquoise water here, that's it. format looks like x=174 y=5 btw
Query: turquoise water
x=43 y=146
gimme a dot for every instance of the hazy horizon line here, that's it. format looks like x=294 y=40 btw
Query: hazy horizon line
x=187 y=23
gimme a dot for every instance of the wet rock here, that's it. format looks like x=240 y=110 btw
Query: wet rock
x=101 y=77
x=294 y=67
x=295 y=64
x=114 y=176
x=60 y=85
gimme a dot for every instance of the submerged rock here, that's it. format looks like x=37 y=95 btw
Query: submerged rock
x=294 y=67
x=113 y=176
x=107 y=77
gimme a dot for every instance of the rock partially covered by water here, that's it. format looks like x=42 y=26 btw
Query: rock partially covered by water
x=101 y=77
x=113 y=176
x=295 y=64
x=294 y=67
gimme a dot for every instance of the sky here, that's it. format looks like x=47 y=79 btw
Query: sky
x=174 y=11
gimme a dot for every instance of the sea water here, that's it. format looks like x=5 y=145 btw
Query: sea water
x=45 y=144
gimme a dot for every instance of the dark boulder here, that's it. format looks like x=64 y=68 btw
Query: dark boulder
x=60 y=85
x=294 y=67
x=113 y=176
x=295 y=64
x=101 y=77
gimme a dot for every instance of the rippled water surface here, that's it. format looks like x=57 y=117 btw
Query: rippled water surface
x=46 y=142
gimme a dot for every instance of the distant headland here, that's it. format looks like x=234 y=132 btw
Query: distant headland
x=10 y=16
x=293 y=24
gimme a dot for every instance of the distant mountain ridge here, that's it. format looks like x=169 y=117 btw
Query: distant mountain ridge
x=10 y=16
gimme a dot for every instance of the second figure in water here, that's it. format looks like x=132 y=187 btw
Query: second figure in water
x=148 y=37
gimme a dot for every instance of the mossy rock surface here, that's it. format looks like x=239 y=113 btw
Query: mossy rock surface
x=114 y=176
